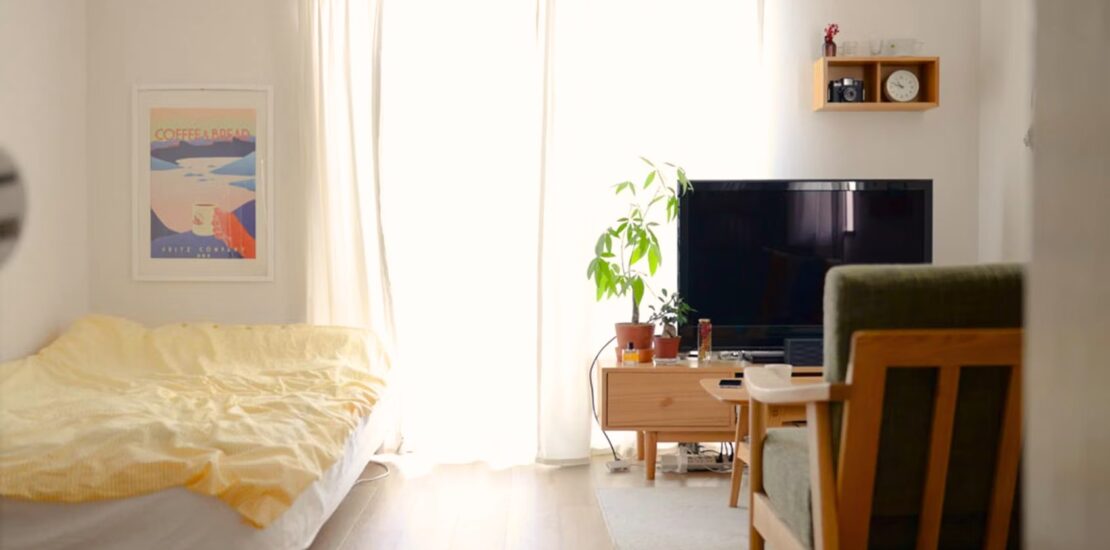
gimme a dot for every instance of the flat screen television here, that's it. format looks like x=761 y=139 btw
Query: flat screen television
x=752 y=255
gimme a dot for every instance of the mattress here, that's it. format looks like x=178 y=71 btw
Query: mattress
x=177 y=518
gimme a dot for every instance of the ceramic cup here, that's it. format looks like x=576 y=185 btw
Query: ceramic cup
x=902 y=46
x=203 y=215
x=782 y=369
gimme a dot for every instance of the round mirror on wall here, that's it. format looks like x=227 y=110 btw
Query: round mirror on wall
x=13 y=207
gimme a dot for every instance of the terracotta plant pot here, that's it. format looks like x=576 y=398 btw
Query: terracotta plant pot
x=666 y=347
x=639 y=334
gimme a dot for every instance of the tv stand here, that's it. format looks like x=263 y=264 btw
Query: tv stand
x=667 y=403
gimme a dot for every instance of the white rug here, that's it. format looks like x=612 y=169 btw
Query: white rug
x=645 y=518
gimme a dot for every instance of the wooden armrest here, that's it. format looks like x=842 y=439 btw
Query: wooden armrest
x=768 y=387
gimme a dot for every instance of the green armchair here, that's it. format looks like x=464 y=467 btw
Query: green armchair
x=914 y=438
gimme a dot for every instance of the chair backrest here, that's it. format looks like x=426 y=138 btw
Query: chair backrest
x=865 y=298
x=915 y=296
x=874 y=297
x=938 y=469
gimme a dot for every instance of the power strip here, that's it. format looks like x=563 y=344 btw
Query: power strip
x=615 y=466
x=685 y=462
x=672 y=463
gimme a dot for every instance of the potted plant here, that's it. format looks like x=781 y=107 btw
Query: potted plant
x=673 y=311
x=626 y=246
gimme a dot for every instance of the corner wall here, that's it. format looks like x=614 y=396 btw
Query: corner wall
x=44 y=284
x=1067 y=442
x=1006 y=40
x=194 y=42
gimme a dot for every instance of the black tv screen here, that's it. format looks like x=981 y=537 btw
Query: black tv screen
x=753 y=254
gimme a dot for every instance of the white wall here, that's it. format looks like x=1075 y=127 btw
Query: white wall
x=194 y=42
x=44 y=285
x=941 y=144
x=1067 y=477
x=1005 y=113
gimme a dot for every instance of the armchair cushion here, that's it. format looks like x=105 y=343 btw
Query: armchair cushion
x=786 y=479
x=876 y=297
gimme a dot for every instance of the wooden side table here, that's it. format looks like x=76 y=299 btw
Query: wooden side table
x=776 y=416
x=666 y=404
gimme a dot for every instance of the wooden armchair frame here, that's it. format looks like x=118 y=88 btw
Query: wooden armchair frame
x=841 y=517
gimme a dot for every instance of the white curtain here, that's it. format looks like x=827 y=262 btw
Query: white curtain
x=671 y=81
x=348 y=272
x=503 y=125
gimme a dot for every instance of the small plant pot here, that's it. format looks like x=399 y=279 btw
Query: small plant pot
x=640 y=335
x=666 y=347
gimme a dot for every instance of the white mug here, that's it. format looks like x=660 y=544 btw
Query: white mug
x=203 y=214
x=782 y=369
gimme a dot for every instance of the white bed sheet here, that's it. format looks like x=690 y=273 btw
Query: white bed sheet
x=177 y=518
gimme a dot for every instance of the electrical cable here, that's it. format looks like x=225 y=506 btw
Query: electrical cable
x=593 y=403
x=383 y=475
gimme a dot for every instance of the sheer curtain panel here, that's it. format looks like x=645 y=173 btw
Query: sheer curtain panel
x=471 y=147
x=348 y=273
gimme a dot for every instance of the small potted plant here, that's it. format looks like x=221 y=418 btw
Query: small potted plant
x=672 y=312
x=625 y=246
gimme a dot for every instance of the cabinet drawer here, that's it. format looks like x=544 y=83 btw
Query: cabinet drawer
x=655 y=400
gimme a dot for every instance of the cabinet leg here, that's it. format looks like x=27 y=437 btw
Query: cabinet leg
x=651 y=442
x=639 y=445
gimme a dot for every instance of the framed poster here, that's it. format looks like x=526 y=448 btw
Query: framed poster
x=203 y=191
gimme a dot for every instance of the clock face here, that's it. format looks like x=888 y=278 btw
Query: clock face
x=902 y=86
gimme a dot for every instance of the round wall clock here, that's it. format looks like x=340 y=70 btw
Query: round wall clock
x=902 y=86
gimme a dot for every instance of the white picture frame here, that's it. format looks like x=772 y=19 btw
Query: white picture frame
x=202 y=183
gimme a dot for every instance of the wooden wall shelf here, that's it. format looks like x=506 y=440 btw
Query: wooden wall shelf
x=873 y=71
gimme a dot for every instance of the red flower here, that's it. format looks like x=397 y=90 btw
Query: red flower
x=832 y=30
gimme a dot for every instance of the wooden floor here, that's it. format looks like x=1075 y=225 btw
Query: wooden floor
x=479 y=506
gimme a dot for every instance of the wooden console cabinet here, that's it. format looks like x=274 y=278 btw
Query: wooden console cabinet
x=668 y=404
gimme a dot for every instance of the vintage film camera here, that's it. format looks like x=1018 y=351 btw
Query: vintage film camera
x=846 y=90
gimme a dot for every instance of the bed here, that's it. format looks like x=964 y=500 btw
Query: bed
x=181 y=516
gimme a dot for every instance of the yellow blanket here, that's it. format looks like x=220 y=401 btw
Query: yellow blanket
x=249 y=414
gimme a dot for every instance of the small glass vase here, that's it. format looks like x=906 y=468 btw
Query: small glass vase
x=830 y=48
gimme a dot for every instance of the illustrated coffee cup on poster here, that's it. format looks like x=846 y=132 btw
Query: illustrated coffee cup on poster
x=203 y=215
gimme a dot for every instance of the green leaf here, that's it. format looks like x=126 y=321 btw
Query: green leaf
x=655 y=257
x=683 y=180
x=608 y=255
x=593 y=267
x=608 y=242
x=637 y=289
x=600 y=246
x=603 y=279
x=620 y=229
x=664 y=293
x=625 y=185
x=650 y=178
x=648 y=162
x=638 y=252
